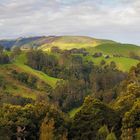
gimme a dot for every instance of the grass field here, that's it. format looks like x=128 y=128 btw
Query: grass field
x=70 y=42
x=116 y=48
x=20 y=62
x=14 y=87
x=122 y=63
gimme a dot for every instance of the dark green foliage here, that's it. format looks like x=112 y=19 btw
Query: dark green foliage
x=43 y=62
x=56 y=122
x=2 y=82
x=91 y=117
x=6 y=98
x=24 y=122
x=82 y=77
x=15 y=51
x=131 y=122
x=25 y=78
x=95 y=120
x=70 y=94
x=102 y=133
x=4 y=58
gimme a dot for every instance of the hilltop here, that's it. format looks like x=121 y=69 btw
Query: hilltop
x=69 y=42
x=65 y=42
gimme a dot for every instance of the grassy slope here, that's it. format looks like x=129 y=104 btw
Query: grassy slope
x=20 y=62
x=92 y=45
x=116 y=48
x=69 y=42
x=123 y=63
x=15 y=87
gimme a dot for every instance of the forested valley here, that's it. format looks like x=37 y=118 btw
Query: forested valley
x=87 y=102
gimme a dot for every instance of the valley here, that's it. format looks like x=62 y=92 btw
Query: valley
x=69 y=88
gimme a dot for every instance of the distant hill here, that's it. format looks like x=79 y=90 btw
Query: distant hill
x=70 y=42
x=64 y=42
x=92 y=45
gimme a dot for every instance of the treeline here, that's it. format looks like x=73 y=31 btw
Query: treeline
x=7 y=56
x=4 y=58
x=31 y=81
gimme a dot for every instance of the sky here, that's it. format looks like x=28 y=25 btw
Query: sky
x=118 y=20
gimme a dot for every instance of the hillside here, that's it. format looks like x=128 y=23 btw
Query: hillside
x=20 y=62
x=69 y=42
x=116 y=48
x=69 y=88
x=19 y=80
x=13 y=86
x=92 y=45
x=64 y=42
x=123 y=63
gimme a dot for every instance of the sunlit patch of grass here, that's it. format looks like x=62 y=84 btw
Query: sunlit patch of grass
x=21 y=63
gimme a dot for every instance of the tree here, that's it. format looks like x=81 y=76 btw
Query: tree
x=131 y=122
x=103 y=62
x=102 y=133
x=111 y=136
x=1 y=49
x=47 y=129
x=54 y=126
x=92 y=116
x=113 y=65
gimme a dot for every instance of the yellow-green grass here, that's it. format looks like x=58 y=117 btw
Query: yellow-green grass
x=67 y=46
x=116 y=48
x=122 y=63
x=73 y=112
x=13 y=86
x=20 y=62
x=70 y=42
x=22 y=91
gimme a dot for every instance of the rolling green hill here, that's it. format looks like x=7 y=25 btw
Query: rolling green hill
x=45 y=42
x=20 y=62
x=116 y=48
x=70 y=42
x=13 y=86
x=122 y=63
x=92 y=45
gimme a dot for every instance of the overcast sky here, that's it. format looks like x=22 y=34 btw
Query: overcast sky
x=112 y=19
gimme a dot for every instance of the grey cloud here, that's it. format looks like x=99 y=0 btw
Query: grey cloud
x=119 y=21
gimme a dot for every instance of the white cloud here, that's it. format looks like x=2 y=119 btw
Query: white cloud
x=118 y=19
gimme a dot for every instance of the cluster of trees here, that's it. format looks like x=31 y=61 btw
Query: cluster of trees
x=4 y=58
x=7 y=98
x=43 y=62
x=82 y=51
x=118 y=120
x=134 y=55
x=81 y=77
x=128 y=105
x=30 y=80
x=69 y=94
x=95 y=120
x=25 y=122
x=7 y=55
x=25 y=78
